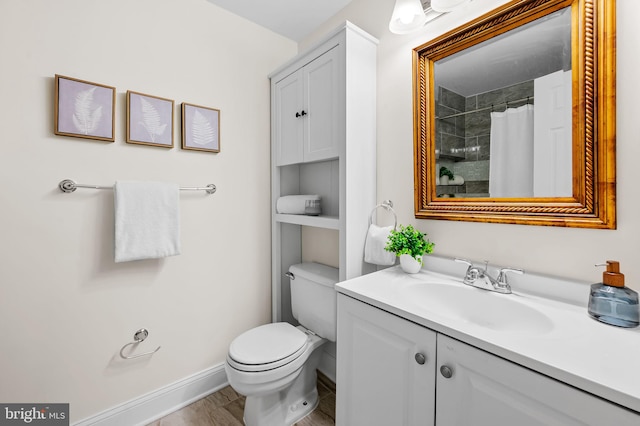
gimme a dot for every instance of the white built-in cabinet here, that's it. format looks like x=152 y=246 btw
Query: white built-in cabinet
x=323 y=139
x=391 y=371
x=307 y=118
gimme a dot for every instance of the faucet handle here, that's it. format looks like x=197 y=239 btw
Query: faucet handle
x=472 y=273
x=502 y=285
x=502 y=276
x=465 y=261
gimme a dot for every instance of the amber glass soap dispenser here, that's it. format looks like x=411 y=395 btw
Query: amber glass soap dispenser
x=611 y=302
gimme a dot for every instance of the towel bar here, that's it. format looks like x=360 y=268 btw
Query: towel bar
x=69 y=185
x=140 y=336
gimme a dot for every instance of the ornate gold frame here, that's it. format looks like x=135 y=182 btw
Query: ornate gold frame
x=593 y=204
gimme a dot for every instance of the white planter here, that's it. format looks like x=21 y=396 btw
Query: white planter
x=409 y=264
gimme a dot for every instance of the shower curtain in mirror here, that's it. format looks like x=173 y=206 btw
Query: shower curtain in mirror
x=511 y=153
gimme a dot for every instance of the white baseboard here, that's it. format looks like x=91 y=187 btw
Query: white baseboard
x=152 y=406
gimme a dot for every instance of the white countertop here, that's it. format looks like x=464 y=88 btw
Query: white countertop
x=572 y=348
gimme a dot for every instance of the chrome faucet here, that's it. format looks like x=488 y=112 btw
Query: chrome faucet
x=479 y=277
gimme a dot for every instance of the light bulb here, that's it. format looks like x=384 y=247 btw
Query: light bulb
x=408 y=15
x=407 y=18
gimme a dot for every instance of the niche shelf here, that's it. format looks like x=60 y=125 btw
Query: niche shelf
x=328 y=222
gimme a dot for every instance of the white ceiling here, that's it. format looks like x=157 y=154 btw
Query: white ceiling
x=504 y=61
x=294 y=19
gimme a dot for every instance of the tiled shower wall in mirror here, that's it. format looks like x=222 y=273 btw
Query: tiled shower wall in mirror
x=463 y=128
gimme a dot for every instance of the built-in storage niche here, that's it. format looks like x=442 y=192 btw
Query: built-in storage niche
x=320 y=178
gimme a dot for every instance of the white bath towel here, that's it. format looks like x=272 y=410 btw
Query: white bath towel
x=293 y=204
x=147 y=220
x=374 y=251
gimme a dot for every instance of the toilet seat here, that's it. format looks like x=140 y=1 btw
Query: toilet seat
x=267 y=347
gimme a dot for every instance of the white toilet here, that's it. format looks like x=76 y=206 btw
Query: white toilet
x=274 y=365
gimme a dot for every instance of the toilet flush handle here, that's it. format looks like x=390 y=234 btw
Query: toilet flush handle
x=290 y=275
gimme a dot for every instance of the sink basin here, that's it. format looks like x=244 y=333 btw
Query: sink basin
x=499 y=312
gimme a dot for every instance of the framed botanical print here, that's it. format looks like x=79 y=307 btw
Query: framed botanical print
x=200 y=128
x=149 y=120
x=84 y=109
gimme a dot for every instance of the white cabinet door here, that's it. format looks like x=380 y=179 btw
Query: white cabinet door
x=307 y=112
x=289 y=101
x=485 y=390
x=321 y=112
x=385 y=368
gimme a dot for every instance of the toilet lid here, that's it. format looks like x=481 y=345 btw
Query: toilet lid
x=267 y=344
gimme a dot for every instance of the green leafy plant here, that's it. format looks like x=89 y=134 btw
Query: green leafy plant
x=446 y=172
x=408 y=240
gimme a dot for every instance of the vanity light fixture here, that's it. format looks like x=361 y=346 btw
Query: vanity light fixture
x=411 y=15
x=408 y=16
x=444 y=6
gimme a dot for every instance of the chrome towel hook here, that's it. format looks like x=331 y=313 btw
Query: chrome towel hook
x=140 y=336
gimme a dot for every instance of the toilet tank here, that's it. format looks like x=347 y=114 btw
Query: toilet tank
x=313 y=297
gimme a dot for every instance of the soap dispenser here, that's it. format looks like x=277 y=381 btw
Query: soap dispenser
x=611 y=302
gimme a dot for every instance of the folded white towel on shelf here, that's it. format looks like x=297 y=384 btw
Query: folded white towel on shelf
x=147 y=220
x=293 y=204
x=375 y=242
x=457 y=180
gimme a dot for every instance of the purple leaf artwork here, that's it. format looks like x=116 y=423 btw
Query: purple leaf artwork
x=149 y=120
x=84 y=109
x=200 y=128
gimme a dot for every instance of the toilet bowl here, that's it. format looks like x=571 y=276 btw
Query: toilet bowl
x=274 y=365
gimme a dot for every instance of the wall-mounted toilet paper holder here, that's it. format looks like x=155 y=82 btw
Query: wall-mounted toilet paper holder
x=138 y=337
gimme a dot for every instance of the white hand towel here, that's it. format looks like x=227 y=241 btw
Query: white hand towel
x=147 y=220
x=374 y=251
x=293 y=204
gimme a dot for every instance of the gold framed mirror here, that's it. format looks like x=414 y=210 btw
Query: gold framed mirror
x=559 y=172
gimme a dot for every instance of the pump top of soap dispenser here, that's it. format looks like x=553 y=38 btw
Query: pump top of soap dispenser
x=612 y=275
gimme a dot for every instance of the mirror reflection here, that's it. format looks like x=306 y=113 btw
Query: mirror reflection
x=503 y=116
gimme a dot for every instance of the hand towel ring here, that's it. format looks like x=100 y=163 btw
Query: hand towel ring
x=388 y=206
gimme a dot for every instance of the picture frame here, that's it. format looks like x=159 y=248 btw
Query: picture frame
x=149 y=120
x=83 y=109
x=200 y=128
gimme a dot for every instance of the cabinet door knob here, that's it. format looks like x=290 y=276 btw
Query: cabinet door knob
x=298 y=114
x=420 y=358
x=446 y=372
x=303 y=113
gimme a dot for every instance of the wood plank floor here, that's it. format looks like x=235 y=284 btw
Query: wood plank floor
x=225 y=408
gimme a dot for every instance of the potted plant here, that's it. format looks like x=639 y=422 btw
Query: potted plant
x=409 y=245
x=445 y=175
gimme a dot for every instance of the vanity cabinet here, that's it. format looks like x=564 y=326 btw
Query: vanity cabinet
x=386 y=370
x=380 y=382
x=323 y=142
x=307 y=111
